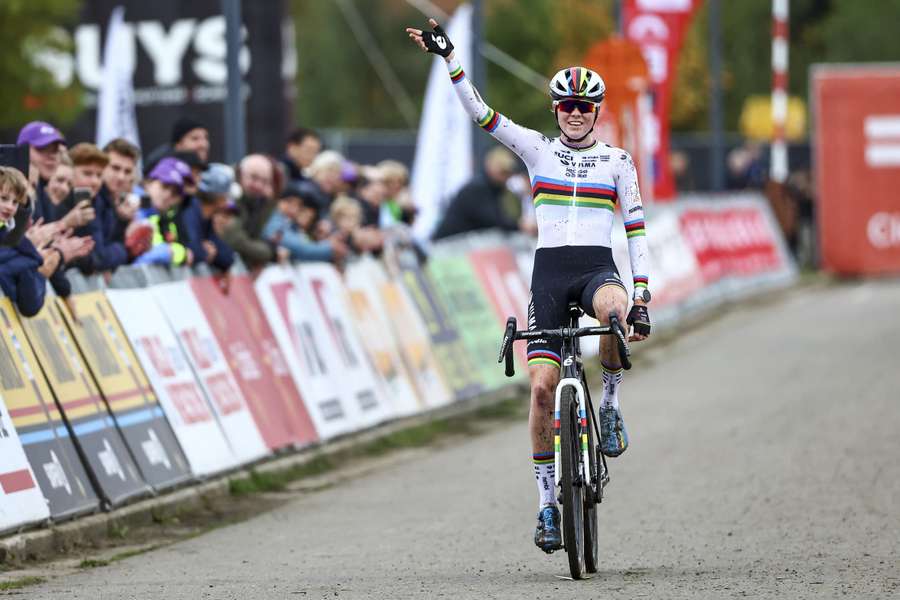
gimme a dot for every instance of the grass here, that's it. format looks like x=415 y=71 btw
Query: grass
x=417 y=436
x=22 y=582
x=92 y=563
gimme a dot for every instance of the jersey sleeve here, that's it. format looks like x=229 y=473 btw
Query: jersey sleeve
x=526 y=143
x=633 y=214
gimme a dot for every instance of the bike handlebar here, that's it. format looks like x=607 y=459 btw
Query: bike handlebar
x=511 y=335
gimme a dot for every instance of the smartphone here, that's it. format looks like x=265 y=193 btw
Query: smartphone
x=81 y=193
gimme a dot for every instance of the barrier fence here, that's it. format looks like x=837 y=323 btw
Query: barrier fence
x=159 y=379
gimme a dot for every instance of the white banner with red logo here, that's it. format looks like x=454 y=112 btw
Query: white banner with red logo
x=658 y=27
x=205 y=356
x=177 y=389
x=21 y=501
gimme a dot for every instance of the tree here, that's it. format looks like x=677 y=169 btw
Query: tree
x=29 y=91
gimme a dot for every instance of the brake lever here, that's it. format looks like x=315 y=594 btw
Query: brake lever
x=506 y=347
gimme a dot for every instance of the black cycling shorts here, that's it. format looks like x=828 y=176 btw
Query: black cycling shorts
x=562 y=275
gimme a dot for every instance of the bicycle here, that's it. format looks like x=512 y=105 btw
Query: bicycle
x=580 y=476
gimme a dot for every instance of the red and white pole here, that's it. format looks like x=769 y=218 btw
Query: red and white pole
x=779 y=166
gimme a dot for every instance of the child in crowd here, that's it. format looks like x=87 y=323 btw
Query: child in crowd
x=164 y=189
x=21 y=264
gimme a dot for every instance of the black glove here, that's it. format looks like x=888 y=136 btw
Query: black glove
x=437 y=41
x=639 y=317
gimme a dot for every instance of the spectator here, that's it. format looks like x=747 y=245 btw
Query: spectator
x=242 y=230
x=89 y=163
x=326 y=177
x=302 y=147
x=190 y=135
x=347 y=216
x=164 y=190
x=20 y=277
x=371 y=193
x=398 y=207
x=196 y=219
x=46 y=143
x=479 y=204
x=116 y=205
x=291 y=223
x=192 y=176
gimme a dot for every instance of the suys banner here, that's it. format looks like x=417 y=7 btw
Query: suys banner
x=471 y=312
x=184 y=314
x=498 y=272
x=327 y=296
x=303 y=346
x=178 y=392
x=87 y=415
x=379 y=341
x=255 y=361
x=460 y=370
x=406 y=332
x=127 y=392
x=21 y=501
x=44 y=436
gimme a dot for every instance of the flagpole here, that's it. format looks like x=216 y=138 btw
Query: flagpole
x=235 y=133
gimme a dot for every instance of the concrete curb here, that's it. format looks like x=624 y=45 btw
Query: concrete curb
x=61 y=538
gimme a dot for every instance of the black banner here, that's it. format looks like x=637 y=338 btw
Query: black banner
x=180 y=69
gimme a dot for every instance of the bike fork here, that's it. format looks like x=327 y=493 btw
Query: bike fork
x=586 y=476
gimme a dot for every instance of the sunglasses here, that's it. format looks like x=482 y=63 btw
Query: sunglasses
x=583 y=106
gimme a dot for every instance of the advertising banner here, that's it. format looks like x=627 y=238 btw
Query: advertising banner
x=327 y=298
x=304 y=347
x=42 y=432
x=471 y=311
x=498 y=273
x=409 y=333
x=252 y=367
x=129 y=397
x=379 y=341
x=82 y=407
x=460 y=369
x=857 y=165
x=21 y=501
x=199 y=345
x=181 y=397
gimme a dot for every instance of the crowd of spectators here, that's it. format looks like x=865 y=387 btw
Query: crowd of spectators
x=78 y=206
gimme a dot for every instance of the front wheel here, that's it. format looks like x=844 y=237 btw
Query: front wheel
x=591 y=560
x=571 y=484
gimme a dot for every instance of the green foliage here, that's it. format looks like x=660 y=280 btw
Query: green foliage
x=28 y=90
x=20 y=583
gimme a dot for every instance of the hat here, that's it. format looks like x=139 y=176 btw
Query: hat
x=217 y=179
x=40 y=134
x=184 y=125
x=166 y=171
x=183 y=168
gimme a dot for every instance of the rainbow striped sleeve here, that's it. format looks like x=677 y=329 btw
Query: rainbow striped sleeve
x=490 y=120
x=635 y=228
x=457 y=75
x=641 y=281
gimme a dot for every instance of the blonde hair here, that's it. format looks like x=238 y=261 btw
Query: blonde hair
x=329 y=160
x=12 y=179
x=345 y=206
x=393 y=170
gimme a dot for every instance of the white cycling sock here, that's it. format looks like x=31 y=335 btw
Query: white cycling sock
x=545 y=475
x=612 y=380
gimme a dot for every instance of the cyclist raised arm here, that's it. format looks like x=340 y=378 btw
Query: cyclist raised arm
x=576 y=183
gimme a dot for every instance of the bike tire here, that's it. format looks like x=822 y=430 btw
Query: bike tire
x=571 y=488
x=591 y=530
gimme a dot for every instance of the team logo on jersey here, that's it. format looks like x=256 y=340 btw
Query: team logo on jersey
x=604 y=158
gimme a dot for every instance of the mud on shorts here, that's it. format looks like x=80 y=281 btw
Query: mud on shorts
x=562 y=275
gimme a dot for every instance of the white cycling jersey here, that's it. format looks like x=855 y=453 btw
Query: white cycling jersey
x=575 y=190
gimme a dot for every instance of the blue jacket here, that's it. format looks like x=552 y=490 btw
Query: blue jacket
x=19 y=277
x=194 y=229
x=109 y=247
x=295 y=240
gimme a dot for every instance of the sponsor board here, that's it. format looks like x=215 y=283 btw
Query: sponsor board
x=21 y=501
x=178 y=391
x=471 y=312
x=857 y=166
x=461 y=374
x=304 y=348
x=206 y=358
x=252 y=367
x=39 y=424
x=84 y=410
x=382 y=347
x=498 y=272
x=326 y=299
x=126 y=390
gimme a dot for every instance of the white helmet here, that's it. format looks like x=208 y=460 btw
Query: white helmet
x=577 y=82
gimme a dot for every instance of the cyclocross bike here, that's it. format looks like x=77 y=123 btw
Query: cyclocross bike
x=581 y=472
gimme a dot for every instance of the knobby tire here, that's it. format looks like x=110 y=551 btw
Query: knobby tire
x=572 y=493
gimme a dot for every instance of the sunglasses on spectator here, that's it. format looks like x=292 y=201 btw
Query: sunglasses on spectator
x=583 y=106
